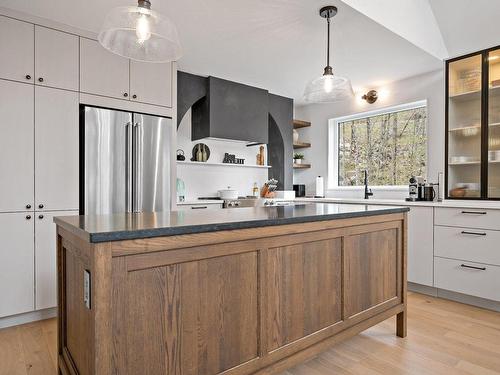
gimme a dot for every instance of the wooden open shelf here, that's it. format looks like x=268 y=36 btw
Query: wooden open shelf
x=301 y=166
x=301 y=145
x=297 y=124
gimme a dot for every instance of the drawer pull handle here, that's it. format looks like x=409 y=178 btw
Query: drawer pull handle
x=474 y=268
x=474 y=212
x=474 y=233
x=198 y=207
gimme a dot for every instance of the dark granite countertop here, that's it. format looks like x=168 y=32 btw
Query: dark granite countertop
x=127 y=226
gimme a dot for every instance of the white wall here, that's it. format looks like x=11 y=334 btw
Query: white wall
x=204 y=180
x=429 y=86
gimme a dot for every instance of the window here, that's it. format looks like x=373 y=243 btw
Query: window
x=391 y=144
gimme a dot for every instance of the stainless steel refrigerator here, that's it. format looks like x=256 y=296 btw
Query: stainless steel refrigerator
x=125 y=166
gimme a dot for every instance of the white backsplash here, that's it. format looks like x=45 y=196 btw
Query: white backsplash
x=205 y=180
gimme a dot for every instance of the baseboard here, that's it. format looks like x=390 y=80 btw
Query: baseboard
x=423 y=289
x=469 y=300
x=454 y=296
x=33 y=316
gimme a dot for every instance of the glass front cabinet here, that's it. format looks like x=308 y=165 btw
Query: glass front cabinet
x=473 y=126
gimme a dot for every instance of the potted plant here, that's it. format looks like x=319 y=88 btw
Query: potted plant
x=297 y=158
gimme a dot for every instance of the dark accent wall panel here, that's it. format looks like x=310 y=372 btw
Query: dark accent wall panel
x=190 y=89
x=280 y=145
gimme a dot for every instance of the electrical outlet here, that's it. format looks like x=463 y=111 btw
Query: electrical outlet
x=86 y=288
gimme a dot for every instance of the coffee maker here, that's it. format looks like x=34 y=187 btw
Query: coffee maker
x=420 y=190
x=412 y=190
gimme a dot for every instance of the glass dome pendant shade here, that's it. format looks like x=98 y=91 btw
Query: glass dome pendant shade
x=139 y=33
x=328 y=88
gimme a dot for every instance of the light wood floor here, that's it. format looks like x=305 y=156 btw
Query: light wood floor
x=443 y=338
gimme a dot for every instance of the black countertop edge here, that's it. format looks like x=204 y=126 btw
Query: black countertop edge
x=204 y=228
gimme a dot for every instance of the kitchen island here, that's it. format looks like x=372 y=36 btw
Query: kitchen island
x=241 y=291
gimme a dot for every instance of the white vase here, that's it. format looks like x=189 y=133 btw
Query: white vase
x=297 y=161
x=295 y=136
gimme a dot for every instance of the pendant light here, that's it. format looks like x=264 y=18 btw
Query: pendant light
x=139 y=33
x=328 y=88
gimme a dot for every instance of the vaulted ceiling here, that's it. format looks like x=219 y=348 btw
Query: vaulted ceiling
x=280 y=44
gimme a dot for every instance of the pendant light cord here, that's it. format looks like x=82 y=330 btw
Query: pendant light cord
x=328 y=43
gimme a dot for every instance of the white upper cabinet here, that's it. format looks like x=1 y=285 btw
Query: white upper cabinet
x=46 y=258
x=16 y=146
x=16 y=50
x=56 y=149
x=16 y=263
x=56 y=59
x=102 y=72
x=151 y=83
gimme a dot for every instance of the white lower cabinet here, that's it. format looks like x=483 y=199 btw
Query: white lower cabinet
x=475 y=245
x=45 y=258
x=16 y=263
x=476 y=279
x=468 y=217
x=420 y=245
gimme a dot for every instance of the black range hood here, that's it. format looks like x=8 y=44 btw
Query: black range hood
x=231 y=111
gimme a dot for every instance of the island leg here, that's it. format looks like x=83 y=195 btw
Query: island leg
x=402 y=317
x=401 y=323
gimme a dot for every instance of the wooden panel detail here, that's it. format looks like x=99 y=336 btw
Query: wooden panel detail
x=371 y=270
x=197 y=317
x=78 y=336
x=304 y=291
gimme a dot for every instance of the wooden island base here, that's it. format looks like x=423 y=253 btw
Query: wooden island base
x=247 y=301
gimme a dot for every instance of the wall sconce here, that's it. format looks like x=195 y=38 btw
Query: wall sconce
x=370 y=97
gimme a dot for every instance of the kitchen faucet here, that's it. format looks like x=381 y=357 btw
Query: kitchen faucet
x=368 y=192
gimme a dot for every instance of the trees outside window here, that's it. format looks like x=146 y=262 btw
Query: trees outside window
x=391 y=146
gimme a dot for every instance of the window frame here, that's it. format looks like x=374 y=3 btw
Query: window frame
x=333 y=143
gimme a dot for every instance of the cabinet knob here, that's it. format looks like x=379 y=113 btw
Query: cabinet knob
x=40 y=205
x=28 y=76
x=28 y=217
x=134 y=96
x=40 y=79
x=40 y=217
x=28 y=206
x=125 y=94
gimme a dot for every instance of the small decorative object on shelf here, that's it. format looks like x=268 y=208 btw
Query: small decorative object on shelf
x=295 y=136
x=260 y=156
x=298 y=157
x=232 y=159
x=201 y=152
x=180 y=155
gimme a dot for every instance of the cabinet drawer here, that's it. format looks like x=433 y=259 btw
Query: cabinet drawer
x=457 y=276
x=198 y=207
x=467 y=217
x=475 y=245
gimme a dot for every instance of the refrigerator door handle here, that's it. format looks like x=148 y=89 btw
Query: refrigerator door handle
x=128 y=166
x=137 y=168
